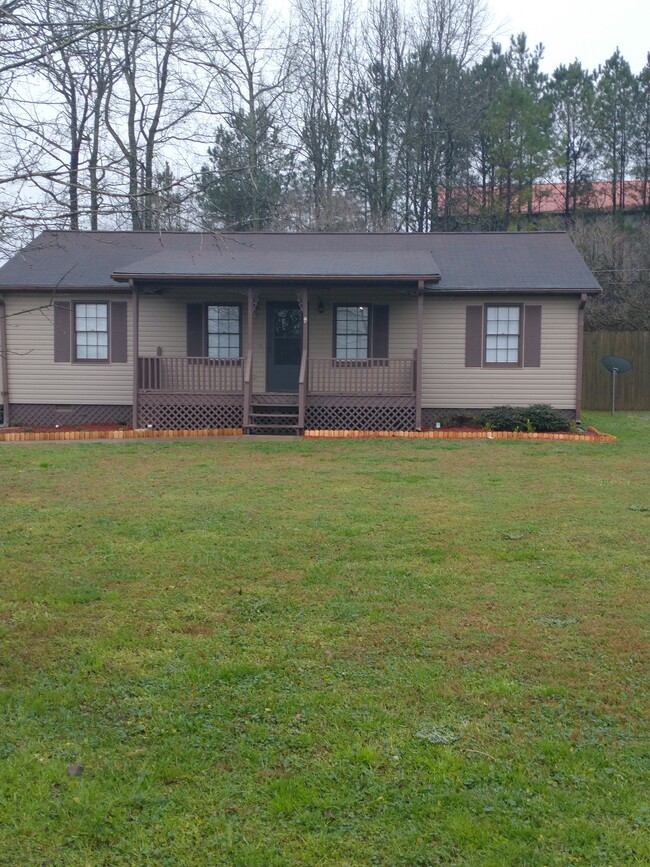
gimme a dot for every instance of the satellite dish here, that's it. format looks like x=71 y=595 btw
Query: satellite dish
x=617 y=363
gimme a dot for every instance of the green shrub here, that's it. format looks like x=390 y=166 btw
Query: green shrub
x=545 y=419
x=540 y=417
x=503 y=418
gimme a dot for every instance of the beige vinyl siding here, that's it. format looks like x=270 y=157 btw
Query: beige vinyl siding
x=163 y=321
x=34 y=377
x=447 y=383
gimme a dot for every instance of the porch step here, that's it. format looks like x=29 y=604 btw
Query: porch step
x=273 y=418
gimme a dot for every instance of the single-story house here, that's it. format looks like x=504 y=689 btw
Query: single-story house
x=287 y=332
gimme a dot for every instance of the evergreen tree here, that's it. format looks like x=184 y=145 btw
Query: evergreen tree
x=572 y=99
x=241 y=188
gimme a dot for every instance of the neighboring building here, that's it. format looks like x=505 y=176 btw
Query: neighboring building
x=589 y=198
x=289 y=331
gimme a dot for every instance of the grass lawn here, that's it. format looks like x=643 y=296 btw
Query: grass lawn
x=382 y=652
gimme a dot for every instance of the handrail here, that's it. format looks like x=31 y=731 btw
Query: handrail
x=302 y=389
x=190 y=375
x=248 y=390
x=361 y=376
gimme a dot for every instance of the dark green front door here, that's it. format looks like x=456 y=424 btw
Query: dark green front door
x=283 y=345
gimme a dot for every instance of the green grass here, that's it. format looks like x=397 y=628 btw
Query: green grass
x=326 y=652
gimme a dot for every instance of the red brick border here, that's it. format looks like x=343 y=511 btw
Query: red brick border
x=116 y=434
x=595 y=437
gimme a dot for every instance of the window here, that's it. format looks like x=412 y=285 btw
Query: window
x=91 y=332
x=352 y=330
x=224 y=331
x=502 y=334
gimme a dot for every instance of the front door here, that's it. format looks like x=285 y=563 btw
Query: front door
x=283 y=345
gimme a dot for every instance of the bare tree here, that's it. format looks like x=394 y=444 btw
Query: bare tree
x=251 y=60
x=323 y=55
x=375 y=148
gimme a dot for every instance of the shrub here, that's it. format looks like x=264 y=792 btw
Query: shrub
x=539 y=417
x=544 y=418
x=503 y=418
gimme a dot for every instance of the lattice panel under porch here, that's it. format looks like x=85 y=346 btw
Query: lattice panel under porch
x=190 y=412
x=388 y=413
x=74 y=415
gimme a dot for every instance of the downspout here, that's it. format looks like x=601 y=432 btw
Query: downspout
x=581 y=344
x=418 y=353
x=4 y=364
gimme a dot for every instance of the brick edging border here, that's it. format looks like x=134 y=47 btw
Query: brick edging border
x=49 y=436
x=116 y=434
x=596 y=437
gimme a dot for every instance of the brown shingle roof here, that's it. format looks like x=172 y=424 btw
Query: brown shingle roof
x=526 y=261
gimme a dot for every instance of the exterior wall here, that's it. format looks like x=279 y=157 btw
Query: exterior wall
x=446 y=382
x=163 y=321
x=34 y=377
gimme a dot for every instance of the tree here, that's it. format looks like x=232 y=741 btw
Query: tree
x=234 y=193
x=374 y=147
x=571 y=92
x=252 y=60
x=515 y=129
x=642 y=143
x=323 y=54
x=614 y=115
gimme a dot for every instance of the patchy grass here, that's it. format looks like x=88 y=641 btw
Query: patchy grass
x=326 y=652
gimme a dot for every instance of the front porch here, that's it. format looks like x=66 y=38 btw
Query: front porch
x=333 y=393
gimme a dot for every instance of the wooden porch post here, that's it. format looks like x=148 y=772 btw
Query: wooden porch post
x=418 y=353
x=304 y=360
x=248 y=363
x=135 y=351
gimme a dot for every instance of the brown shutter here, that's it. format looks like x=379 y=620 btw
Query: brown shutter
x=380 y=330
x=532 y=335
x=118 y=331
x=195 y=336
x=474 y=335
x=62 y=330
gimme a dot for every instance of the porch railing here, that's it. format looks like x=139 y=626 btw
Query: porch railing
x=163 y=373
x=361 y=375
x=367 y=376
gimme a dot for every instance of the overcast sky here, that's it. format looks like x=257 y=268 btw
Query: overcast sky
x=589 y=30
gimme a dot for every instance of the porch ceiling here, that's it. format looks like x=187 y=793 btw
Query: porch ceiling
x=246 y=263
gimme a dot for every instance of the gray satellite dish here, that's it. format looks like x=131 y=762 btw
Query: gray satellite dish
x=616 y=365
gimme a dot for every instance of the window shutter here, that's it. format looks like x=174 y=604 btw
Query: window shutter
x=195 y=330
x=474 y=335
x=62 y=330
x=118 y=331
x=380 y=331
x=532 y=335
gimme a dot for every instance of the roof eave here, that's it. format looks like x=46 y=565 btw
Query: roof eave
x=123 y=277
x=512 y=290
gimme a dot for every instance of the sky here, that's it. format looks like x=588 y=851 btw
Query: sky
x=589 y=30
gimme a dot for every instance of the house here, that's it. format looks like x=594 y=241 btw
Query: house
x=287 y=332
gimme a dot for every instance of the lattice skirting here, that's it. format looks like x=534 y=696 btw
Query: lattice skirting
x=50 y=414
x=190 y=411
x=358 y=412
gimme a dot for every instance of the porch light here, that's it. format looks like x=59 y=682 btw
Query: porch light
x=320 y=305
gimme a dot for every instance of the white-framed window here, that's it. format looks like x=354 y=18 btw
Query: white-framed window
x=91 y=331
x=351 y=330
x=224 y=330
x=503 y=334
